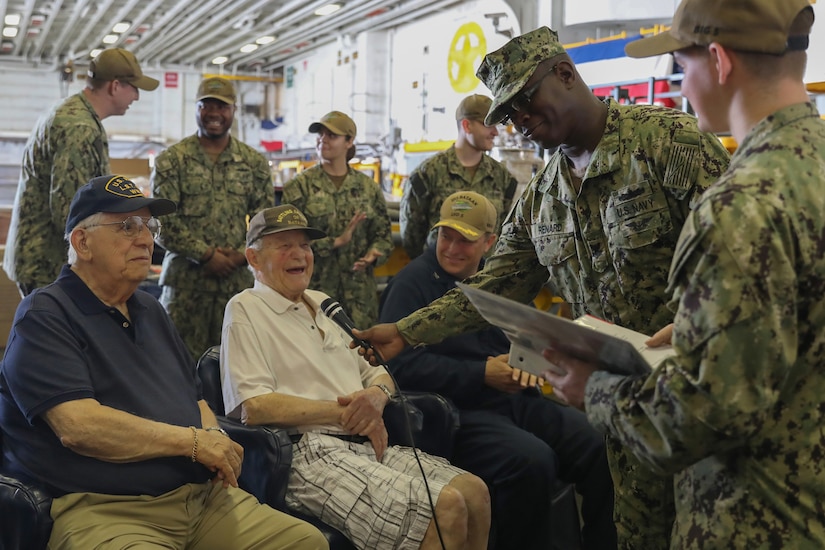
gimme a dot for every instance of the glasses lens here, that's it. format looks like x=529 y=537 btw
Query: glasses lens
x=132 y=225
x=153 y=225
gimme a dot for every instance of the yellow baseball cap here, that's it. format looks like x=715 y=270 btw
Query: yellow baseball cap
x=469 y=213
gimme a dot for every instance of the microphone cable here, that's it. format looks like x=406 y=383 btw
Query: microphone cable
x=335 y=312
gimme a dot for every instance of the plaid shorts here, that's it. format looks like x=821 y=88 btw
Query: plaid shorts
x=376 y=505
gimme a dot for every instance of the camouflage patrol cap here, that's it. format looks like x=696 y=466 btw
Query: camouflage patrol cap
x=759 y=26
x=469 y=213
x=112 y=194
x=120 y=64
x=506 y=70
x=336 y=122
x=473 y=107
x=277 y=219
x=217 y=88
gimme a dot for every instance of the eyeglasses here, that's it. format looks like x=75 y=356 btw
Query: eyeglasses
x=521 y=101
x=131 y=226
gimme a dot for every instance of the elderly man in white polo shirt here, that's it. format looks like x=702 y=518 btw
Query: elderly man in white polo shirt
x=284 y=363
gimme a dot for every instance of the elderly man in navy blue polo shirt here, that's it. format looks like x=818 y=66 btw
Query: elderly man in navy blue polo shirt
x=99 y=401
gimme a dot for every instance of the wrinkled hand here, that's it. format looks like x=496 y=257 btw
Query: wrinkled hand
x=345 y=237
x=570 y=386
x=384 y=337
x=500 y=375
x=362 y=263
x=220 y=454
x=364 y=415
x=663 y=337
x=219 y=265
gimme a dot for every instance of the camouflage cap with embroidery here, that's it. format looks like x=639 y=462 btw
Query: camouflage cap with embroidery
x=217 y=88
x=112 y=194
x=506 y=70
x=277 y=219
x=122 y=65
x=469 y=213
x=336 y=122
x=759 y=26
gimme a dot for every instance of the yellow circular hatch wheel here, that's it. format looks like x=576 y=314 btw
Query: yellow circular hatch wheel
x=466 y=51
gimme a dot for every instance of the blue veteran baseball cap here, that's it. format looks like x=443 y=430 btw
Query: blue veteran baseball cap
x=112 y=194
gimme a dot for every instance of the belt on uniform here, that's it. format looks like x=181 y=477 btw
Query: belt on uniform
x=343 y=437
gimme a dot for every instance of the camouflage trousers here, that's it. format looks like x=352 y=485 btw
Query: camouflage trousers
x=197 y=315
x=644 y=509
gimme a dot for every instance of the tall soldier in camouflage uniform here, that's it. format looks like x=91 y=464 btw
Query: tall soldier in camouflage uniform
x=350 y=208
x=602 y=219
x=738 y=414
x=67 y=148
x=462 y=167
x=216 y=181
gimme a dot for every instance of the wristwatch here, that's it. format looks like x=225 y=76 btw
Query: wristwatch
x=385 y=389
x=217 y=429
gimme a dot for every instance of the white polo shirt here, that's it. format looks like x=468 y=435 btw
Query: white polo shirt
x=271 y=344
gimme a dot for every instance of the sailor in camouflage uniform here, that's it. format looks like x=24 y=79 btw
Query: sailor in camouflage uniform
x=67 y=149
x=738 y=414
x=601 y=219
x=350 y=208
x=218 y=182
x=462 y=167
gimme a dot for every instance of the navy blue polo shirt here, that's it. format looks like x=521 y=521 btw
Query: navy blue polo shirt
x=66 y=344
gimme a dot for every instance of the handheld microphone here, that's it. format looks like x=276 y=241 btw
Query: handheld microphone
x=335 y=311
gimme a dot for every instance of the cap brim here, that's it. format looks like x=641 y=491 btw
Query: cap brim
x=470 y=233
x=227 y=100
x=158 y=207
x=498 y=109
x=659 y=44
x=145 y=83
x=315 y=128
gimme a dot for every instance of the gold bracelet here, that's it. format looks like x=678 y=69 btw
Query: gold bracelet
x=194 y=443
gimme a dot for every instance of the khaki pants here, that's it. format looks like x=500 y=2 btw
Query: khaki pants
x=193 y=517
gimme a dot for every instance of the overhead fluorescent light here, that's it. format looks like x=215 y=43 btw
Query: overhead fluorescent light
x=265 y=40
x=110 y=38
x=12 y=19
x=220 y=60
x=328 y=9
x=9 y=32
x=94 y=53
x=121 y=27
x=249 y=48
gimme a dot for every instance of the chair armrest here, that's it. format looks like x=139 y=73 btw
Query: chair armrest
x=266 y=462
x=25 y=520
x=433 y=418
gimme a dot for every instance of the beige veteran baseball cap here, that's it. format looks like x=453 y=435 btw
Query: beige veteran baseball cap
x=277 y=219
x=473 y=107
x=336 y=122
x=120 y=64
x=217 y=88
x=758 y=26
x=507 y=70
x=469 y=213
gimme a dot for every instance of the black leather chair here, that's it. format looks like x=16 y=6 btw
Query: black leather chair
x=433 y=421
x=25 y=522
